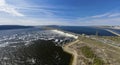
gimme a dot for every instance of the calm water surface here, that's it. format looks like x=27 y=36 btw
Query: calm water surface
x=86 y=30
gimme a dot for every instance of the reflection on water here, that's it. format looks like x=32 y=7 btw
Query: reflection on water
x=40 y=52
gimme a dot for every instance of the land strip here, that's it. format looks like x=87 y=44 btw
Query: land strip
x=112 y=32
x=103 y=52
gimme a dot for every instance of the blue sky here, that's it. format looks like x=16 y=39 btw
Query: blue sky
x=60 y=12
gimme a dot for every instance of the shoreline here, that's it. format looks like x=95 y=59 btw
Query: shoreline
x=66 y=49
x=72 y=52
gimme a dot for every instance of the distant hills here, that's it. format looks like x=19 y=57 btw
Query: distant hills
x=6 y=27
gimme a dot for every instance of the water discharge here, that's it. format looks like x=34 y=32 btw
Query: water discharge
x=41 y=52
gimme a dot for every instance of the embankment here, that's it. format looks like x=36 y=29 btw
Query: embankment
x=66 y=48
x=112 y=32
x=72 y=52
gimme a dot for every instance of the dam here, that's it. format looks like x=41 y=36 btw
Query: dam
x=112 y=32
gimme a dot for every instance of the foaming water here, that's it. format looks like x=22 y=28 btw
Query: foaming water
x=32 y=46
x=40 y=52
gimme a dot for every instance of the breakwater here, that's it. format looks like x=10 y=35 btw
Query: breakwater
x=112 y=32
x=73 y=60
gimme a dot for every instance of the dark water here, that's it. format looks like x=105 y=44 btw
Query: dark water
x=86 y=30
x=40 y=52
x=24 y=47
x=18 y=31
x=8 y=27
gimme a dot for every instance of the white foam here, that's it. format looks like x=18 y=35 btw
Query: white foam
x=65 y=34
x=34 y=35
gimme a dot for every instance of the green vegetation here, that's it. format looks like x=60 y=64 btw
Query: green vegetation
x=88 y=53
x=105 y=48
x=98 y=61
x=113 y=38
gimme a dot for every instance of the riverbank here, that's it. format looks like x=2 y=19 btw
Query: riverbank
x=85 y=49
x=94 y=47
x=66 y=47
x=71 y=51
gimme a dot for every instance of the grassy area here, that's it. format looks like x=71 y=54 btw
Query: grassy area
x=96 y=43
x=88 y=53
x=98 y=61
x=88 y=40
x=113 y=38
x=111 y=53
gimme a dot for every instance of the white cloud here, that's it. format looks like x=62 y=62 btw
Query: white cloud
x=103 y=19
x=47 y=16
x=108 y=21
x=108 y=14
x=114 y=15
x=4 y=7
x=35 y=21
x=101 y=15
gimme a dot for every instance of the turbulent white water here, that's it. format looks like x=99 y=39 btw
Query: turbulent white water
x=17 y=47
x=9 y=37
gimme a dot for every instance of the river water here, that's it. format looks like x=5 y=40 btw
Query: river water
x=89 y=30
x=32 y=46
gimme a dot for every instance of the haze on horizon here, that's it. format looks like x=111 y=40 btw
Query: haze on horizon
x=60 y=12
